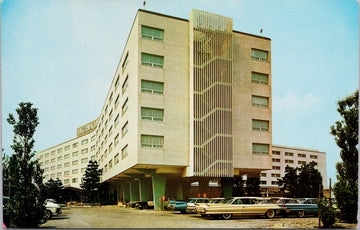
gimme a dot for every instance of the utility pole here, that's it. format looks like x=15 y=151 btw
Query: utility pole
x=330 y=193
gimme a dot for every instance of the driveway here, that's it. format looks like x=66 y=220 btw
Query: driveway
x=119 y=217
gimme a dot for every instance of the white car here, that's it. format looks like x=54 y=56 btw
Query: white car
x=52 y=208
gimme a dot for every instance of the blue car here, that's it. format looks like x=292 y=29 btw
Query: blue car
x=301 y=207
x=178 y=205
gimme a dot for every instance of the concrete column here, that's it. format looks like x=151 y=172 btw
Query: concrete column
x=118 y=191
x=227 y=185
x=145 y=189
x=126 y=192
x=158 y=183
x=134 y=190
x=179 y=192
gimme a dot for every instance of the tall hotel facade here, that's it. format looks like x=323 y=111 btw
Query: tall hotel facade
x=190 y=102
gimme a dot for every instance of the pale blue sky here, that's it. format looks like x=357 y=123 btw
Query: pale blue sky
x=62 y=56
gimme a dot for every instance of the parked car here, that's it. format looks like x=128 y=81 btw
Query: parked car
x=211 y=201
x=132 y=204
x=144 y=204
x=191 y=205
x=180 y=205
x=52 y=208
x=301 y=207
x=279 y=200
x=239 y=206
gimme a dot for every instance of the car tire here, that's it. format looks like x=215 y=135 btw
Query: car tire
x=183 y=212
x=301 y=213
x=270 y=213
x=48 y=214
x=226 y=216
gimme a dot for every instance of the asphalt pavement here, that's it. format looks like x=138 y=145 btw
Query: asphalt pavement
x=121 y=217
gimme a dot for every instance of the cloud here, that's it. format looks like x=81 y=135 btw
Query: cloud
x=293 y=104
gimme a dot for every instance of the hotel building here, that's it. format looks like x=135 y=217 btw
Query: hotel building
x=190 y=101
x=294 y=157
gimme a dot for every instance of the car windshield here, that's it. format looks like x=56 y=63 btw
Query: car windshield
x=202 y=201
x=216 y=201
x=227 y=201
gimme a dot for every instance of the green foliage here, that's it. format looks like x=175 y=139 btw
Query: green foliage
x=289 y=183
x=24 y=175
x=91 y=180
x=347 y=137
x=294 y=181
x=310 y=179
x=327 y=214
x=253 y=186
x=55 y=189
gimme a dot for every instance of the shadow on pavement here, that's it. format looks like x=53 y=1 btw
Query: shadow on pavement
x=47 y=226
x=60 y=218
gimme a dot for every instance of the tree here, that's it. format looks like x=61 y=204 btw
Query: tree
x=294 y=181
x=289 y=183
x=238 y=188
x=311 y=177
x=347 y=137
x=253 y=185
x=54 y=189
x=26 y=206
x=91 y=180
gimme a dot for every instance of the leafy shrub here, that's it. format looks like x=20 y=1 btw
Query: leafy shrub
x=327 y=214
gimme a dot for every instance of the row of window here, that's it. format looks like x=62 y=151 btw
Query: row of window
x=66 y=156
x=66 y=148
x=272 y=175
x=157 y=34
x=109 y=115
x=264 y=182
x=146 y=86
x=67 y=164
x=153 y=114
x=301 y=155
x=146 y=113
x=288 y=161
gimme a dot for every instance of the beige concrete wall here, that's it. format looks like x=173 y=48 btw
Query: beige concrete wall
x=243 y=111
x=130 y=117
x=174 y=101
x=53 y=160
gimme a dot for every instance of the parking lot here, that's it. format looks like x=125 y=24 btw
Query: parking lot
x=119 y=217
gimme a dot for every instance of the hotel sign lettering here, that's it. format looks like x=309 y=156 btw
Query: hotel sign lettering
x=83 y=130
